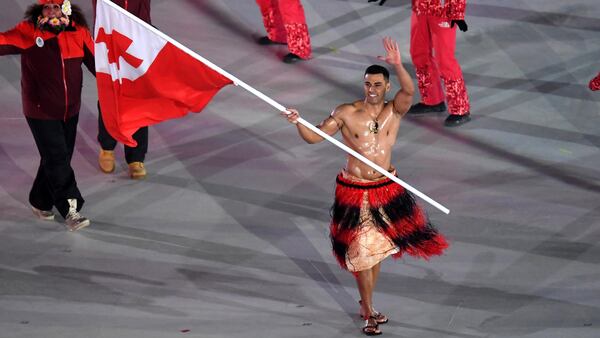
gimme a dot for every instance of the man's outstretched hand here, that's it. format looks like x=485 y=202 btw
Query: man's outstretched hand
x=381 y=2
x=462 y=25
x=392 y=56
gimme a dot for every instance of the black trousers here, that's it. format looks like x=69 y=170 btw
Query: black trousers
x=107 y=142
x=55 y=179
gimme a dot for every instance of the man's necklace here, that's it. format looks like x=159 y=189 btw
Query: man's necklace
x=374 y=126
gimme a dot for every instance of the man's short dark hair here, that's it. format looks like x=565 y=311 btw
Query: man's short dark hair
x=377 y=69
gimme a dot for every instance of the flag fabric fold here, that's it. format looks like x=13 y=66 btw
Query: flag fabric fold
x=142 y=77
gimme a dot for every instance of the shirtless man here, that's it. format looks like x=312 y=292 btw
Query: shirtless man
x=373 y=217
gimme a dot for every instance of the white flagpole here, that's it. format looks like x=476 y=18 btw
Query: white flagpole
x=281 y=108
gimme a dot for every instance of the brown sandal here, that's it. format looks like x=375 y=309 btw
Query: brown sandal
x=371 y=327
x=379 y=317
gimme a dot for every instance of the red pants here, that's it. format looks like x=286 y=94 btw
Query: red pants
x=285 y=22
x=432 y=45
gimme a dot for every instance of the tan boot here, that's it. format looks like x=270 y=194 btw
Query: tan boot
x=106 y=161
x=137 y=170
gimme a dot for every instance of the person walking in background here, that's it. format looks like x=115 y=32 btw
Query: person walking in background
x=285 y=24
x=432 y=49
x=53 y=41
x=134 y=156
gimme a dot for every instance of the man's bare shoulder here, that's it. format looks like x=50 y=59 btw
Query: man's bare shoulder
x=391 y=107
x=345 y=109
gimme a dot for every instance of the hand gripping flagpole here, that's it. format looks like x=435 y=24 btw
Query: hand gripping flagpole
x=281 y=108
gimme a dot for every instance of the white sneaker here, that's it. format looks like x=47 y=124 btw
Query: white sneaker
x=46 y=215
x=74 y=220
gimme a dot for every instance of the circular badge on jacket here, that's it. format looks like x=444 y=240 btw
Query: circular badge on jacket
x=39 y=41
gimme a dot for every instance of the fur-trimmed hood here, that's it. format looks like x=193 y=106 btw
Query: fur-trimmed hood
x=35 y=10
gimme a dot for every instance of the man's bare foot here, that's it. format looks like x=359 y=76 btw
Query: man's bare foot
x=379 y=317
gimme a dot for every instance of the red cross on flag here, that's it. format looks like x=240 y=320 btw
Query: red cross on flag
x=143 y=76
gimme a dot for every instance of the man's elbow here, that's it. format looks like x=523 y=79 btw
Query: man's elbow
x=313 y=140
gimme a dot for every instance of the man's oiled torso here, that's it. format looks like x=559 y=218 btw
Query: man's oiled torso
x=371 y=136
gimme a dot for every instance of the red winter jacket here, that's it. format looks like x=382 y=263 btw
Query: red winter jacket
x=51 y=75
x=451 y=10
x=139 y=8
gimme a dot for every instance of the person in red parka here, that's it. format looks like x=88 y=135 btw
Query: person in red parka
x=432 y=48
x=285 y=24
x=53 y=42
x=134 y=156
x=595 y=83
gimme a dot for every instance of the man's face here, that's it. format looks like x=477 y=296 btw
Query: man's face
x=51 y=11
x=375 y=88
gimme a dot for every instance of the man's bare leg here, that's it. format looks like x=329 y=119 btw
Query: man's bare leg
x=364 y=280
x=375 y=275
x=381 y=318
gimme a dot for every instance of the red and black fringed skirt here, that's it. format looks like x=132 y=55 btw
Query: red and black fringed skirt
x=393 y=212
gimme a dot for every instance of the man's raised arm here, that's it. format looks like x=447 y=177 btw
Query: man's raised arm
x=403 y=98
